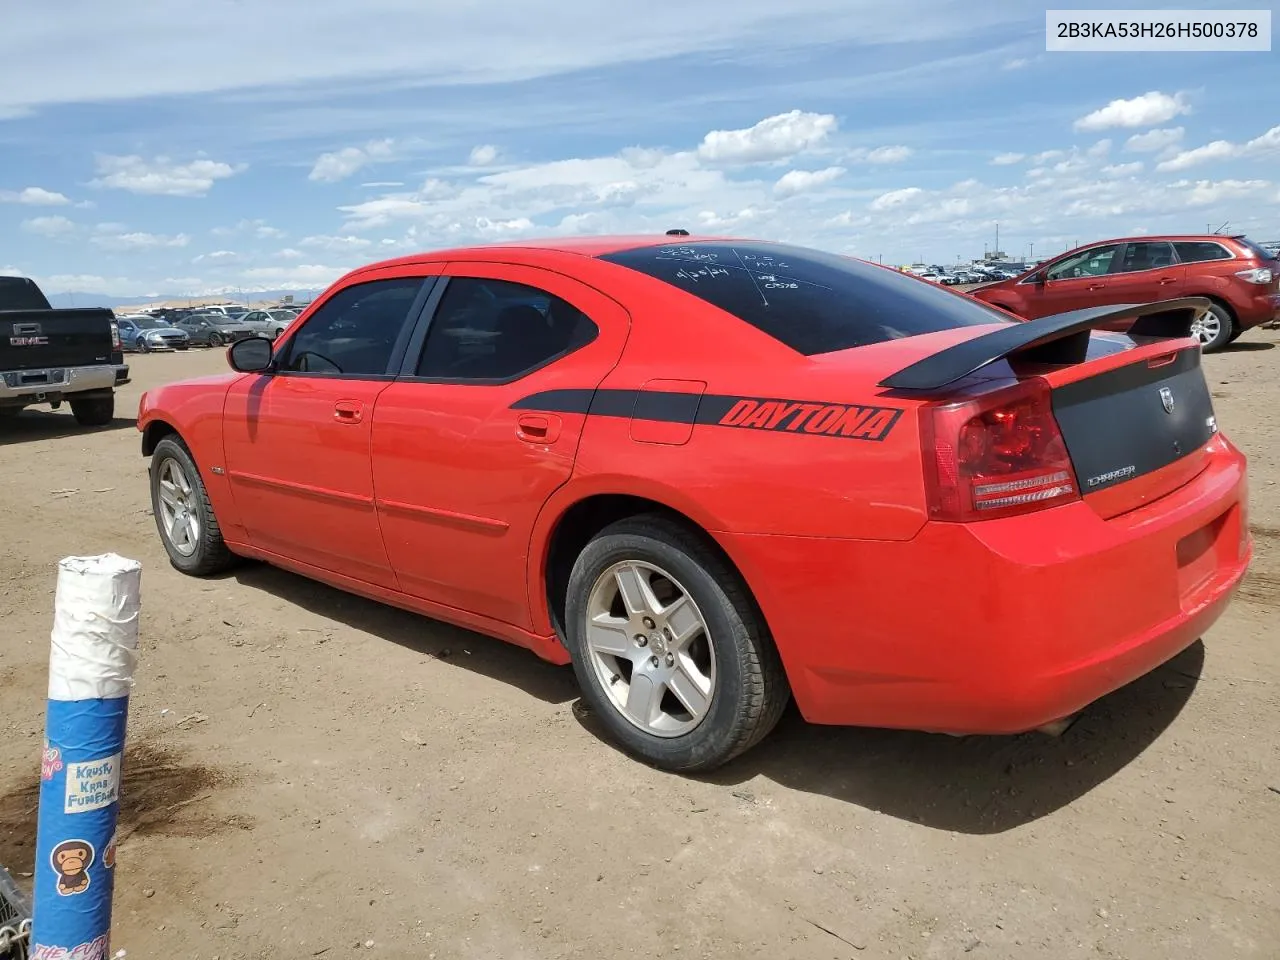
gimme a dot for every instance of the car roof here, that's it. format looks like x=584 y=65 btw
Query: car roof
x=591 y=246
x=1218 y=237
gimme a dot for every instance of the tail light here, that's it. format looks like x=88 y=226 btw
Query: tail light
x=115 y=336
x=995 y=455
x=1262 y=275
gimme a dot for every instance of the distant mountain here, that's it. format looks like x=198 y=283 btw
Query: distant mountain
x=61 y=300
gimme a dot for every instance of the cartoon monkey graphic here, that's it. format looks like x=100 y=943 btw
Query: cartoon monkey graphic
x=71 y=860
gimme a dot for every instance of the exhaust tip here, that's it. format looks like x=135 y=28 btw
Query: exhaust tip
x=1057 y=728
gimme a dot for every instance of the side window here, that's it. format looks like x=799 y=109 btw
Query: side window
x=1093 y=262
x=1146 y=255
x=354 y=332
x=1198 y=251
x=498 y=330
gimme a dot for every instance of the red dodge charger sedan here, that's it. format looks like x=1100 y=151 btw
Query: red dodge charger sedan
x=716 y=474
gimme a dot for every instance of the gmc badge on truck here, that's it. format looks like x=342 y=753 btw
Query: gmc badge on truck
x=28 y=341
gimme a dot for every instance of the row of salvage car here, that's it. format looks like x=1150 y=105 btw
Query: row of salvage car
x=210 y=327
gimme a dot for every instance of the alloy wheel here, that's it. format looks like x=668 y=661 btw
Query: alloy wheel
x=179 y=514
x=649 y=647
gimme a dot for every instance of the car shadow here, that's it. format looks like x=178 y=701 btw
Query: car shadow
x=46 y=425
x=971 y=785
x=1248 y=346
x=452 y=645
x=975 y=784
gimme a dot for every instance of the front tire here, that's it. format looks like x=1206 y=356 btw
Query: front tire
x=1213 y=328
x=215 y=340
x=669 y=648
x=184 y=516
x=94 y=411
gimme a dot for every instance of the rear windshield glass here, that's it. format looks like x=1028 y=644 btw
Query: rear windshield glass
x=812 y=301
x=1256 y=249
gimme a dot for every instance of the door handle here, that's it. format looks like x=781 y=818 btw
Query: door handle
x=1094 y=286
x=1164 y=280
x=537 y=428
x=348 y=411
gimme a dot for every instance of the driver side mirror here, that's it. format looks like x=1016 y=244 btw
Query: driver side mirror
x=251 y=355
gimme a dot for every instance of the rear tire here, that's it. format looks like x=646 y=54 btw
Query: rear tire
x=94 y=411
x=215 y=340
x=715 y=683
x=1213 y=328
x=184 y=516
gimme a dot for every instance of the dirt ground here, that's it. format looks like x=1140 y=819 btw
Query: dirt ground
x=313 y=775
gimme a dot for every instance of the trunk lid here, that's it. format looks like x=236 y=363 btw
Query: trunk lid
x=1137 y=431
x=1134 y=410
x=40 y=340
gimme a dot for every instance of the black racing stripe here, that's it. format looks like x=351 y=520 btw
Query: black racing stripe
x=806 y=417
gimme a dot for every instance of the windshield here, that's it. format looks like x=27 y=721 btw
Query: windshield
x=812 y=301
x=149 y=323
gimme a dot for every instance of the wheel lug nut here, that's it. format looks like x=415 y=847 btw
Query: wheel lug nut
x=656 y=662
x=641 y=640
x=648 y=623
x=666 y=632
x=671 y=659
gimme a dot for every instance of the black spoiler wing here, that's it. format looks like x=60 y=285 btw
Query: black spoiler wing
x=1057 y=338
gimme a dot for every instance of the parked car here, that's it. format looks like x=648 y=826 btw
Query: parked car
x=56 y=356
x=269 y=323
x=604 y=449
x=214 y=329
x=1239 y=278
x=145 y=334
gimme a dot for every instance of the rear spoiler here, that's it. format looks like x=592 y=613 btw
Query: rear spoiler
x=1057 y=338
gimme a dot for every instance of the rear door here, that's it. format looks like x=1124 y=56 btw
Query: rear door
x=1145 y=271
x=461 y=470
x=297 y=438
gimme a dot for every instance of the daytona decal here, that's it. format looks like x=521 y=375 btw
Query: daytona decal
x=826 y=419
x=805 y=417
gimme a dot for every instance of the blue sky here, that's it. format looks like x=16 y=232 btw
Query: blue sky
x=187 y=146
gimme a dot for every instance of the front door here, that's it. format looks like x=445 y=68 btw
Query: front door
x=1073 y=282
x=297 y=437
x=461 y=472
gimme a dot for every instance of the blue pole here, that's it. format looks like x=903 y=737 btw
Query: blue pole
x=91 y=663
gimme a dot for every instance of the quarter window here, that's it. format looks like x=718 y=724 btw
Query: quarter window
x=354 y=332
x=498 y=330
x=1200 y=251
x=1093 y=262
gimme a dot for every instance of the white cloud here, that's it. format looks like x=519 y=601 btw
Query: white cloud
x=217 y=256
x=1008 y=159
x=382 y=184
x=895 y=198
x=259 y=228
x=1266 y=145
x=51 y=227
x=303 y=276
x=774 y=138
x=1017 y=63
x=131 y=242
x=802 y=181
x=1099 y=150
x=332 y=167
x=1156 y=140
x=161 y=176
x=1144 y=111
x=893 y=154
x=1122 y=169
x=92 y=52
x=34 y=197
x=1208 y=192
x=288 y=253
x=483 y=155
x=335 y=244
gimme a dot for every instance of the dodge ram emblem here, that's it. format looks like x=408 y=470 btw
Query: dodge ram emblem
x=1166 y=399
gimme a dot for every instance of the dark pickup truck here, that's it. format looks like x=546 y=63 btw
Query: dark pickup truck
x=50 y=356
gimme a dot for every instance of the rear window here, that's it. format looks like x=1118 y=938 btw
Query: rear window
x=1199 y=251
x=811 y=301
x=1255 y=249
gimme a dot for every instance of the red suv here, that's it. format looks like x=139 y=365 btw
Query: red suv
x=1240 y=278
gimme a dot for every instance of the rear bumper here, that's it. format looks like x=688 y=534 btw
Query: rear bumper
x=39 y=386
x=1005 y=625
x=1263 y=308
